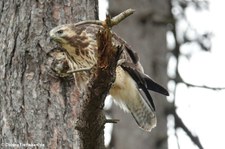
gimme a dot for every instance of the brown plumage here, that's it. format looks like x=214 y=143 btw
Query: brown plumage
x=130 y=89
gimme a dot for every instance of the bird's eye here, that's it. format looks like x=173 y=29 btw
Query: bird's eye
x=60 y=31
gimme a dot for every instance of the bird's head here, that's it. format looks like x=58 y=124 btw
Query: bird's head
x=61 y=33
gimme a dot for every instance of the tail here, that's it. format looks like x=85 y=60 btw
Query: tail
x=127 y=93
x=142 y=112
x=135 y=103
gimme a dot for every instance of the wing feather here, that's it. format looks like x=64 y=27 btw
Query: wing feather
x=144 y=82
x=143 y=79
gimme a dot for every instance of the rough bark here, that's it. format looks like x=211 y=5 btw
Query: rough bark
x=36 y=109
x=146 y=32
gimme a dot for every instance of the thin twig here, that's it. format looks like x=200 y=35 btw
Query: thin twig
x=114 y=21
x=204 y=86
x=78 y=70
x=97 y=22
x=179 y=79
x=112 y=120
x=178 y=144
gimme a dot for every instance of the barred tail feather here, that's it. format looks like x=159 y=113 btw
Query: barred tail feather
x=143 y=113
x=132 y=99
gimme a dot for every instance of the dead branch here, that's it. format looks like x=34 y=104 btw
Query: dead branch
x=91 y=119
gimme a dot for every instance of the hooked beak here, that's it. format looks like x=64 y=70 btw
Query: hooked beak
x=52 y=36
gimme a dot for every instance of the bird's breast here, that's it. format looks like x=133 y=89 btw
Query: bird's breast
x=124 y=88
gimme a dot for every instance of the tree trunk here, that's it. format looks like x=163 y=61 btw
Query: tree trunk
x=37 y=109
x=145 y=31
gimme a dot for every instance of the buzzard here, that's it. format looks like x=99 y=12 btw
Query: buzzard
x=130 y=89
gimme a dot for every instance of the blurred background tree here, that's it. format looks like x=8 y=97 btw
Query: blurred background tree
x=171 y=32
x=146 y=32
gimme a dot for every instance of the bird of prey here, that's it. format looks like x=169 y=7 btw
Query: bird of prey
x=130 y=89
